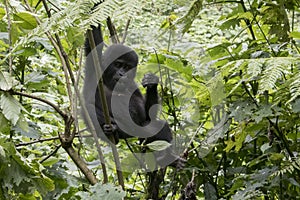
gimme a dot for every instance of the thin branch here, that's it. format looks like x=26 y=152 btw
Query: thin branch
x=51 y=154
x=112 y=31
x=37 y=141
x=134 y=154
x=125 y=31
x=81 y=165
x=58 y=48
x=55 y=107
x=67 y=138
x=249 y=25
x=186 y=151
x=279 y=134
x=48 y=139
x=97 y=65
x=10 y=59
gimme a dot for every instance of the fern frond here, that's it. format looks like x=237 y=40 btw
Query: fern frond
x=79 y=15
x=254 y=68
x=114 y=9
x=276 y=68
x=288 y=168
x=234 y=66
x=295 y=88
x=186 y=21
x=59 y=22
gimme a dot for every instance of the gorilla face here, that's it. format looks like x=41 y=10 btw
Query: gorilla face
x=122 y=62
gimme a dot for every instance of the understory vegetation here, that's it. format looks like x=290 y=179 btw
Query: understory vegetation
x=230 y=90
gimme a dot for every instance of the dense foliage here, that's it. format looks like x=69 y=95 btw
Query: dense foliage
x=230 y=88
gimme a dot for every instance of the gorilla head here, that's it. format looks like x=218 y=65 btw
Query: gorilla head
x=119 y=61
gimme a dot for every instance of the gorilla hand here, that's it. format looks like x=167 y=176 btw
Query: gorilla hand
x=150 y=80
x=111 y=131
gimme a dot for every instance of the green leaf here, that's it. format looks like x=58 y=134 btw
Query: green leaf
x=129 y=163
x=11 y=108
x=276 y=156
x=103 y=192
x=23 y=173
x=276 y=68
x=26 y=20
x=295 y=34
x=2 y=152
x=158 y=145
x=75 y=37
x=6 y=81
x=27 y=197
x=36 y=81
x=264 y=111
x=156 y=58
x=296 y=106
x=239 y=138
x=186 y=21
x=265 y=147
x=2 y=13
x=23 y=128
x=245 y=15
x=176 y=64
x=216 y=90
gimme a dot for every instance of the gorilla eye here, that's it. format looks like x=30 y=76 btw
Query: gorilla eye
x=118 y=64
x=127 y=67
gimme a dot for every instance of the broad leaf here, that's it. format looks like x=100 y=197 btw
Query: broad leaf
x=11 y=108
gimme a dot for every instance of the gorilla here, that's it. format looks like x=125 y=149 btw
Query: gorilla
x=131 y=113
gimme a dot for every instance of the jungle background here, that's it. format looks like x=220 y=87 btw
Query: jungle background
x=230 y=86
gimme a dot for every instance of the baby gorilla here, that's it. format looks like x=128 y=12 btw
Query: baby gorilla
x=131 y=113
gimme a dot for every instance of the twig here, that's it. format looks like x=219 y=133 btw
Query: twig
x=55 y=107
x=10 y=59
x=67 y=138
x=59 y=51
x=125 y=31
x=112 y=31
x=279 y=134
x=51 y=154
x=48 y=139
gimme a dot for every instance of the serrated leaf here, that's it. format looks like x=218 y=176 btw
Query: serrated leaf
x=276 y=68
x=11 y=108
x=264 y=111
x=158 y=145
x=240 y=136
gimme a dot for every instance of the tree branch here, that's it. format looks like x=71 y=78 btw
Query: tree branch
x=48 y=139
x=97 y=65
x=55 y=107
x=51 y=154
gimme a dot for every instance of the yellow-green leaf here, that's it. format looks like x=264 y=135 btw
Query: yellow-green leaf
x=26 y=20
